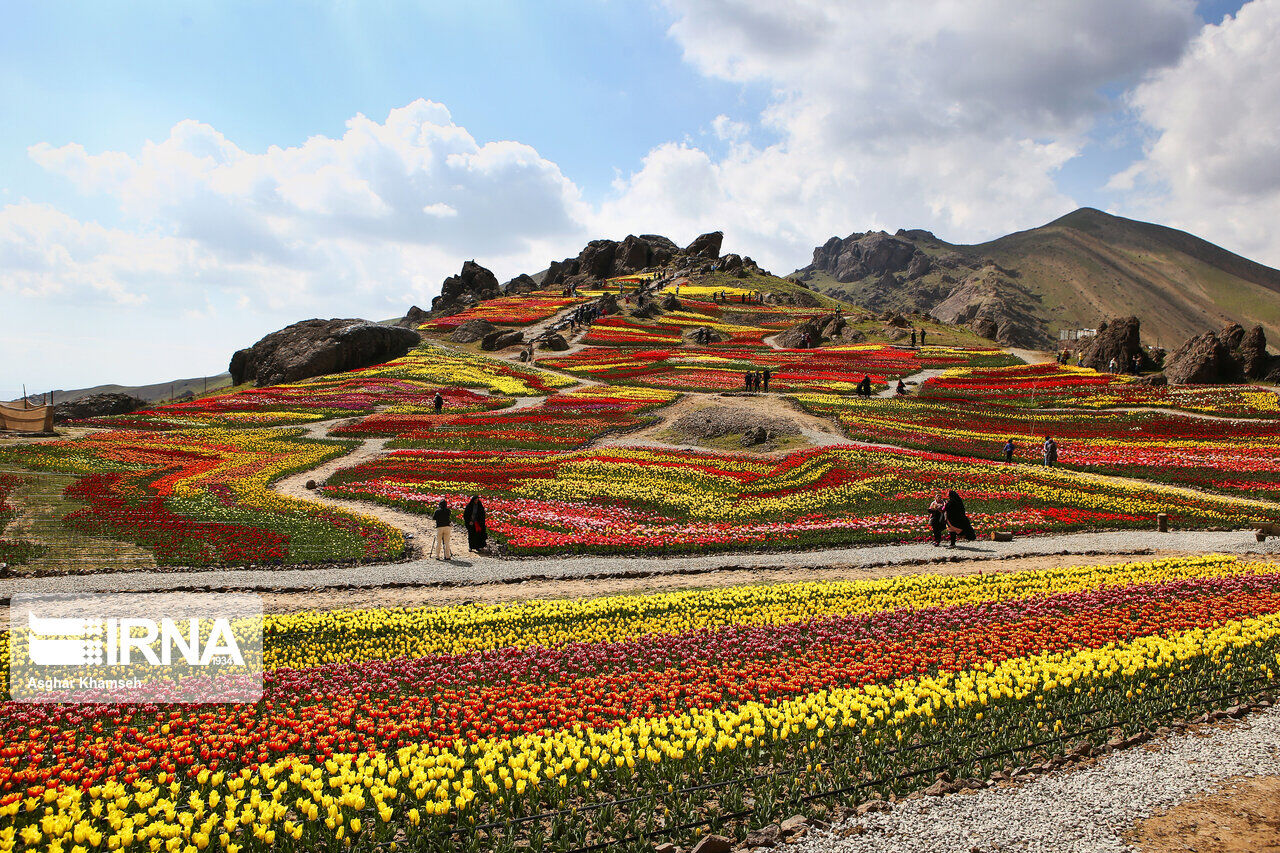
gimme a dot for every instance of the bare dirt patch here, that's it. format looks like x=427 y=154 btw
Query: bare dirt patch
x=1243 y=817
x=718 y=422
x=499 y=593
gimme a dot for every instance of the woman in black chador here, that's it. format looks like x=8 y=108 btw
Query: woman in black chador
x=473 y=518
x=957 y=519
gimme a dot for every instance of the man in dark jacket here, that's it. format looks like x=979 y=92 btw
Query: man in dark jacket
x=438 y=402
x=444 y=526
x=1008 y=450
x=765 y=378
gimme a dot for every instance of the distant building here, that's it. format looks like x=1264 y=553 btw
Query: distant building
x=1076 y=334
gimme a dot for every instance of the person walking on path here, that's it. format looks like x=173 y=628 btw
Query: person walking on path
x=764 y=377
x=922 y=338
x=438 y=402
x=473 y=517
x=1050 y=452
x=957 y=519
x=746 y=381
x=913 y=338
x=938 y=517
x=444 y=526
x=1008 y=450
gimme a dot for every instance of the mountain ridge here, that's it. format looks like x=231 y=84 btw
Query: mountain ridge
x=1071 y=273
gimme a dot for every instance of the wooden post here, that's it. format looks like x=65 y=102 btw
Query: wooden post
x=1162 y=522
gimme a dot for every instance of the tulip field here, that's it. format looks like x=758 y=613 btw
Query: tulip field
x=617 y=722
x=546 y=445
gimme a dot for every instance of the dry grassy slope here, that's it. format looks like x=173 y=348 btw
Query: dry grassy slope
x=1089 y=266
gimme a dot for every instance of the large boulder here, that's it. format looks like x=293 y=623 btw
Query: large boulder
x=97 y=406
x=872 y=254
x=1251 y=354
x=413 y=318
x=501 y=339
x=474 y=284
x=522 y=283
x=706 y=245
x=554 y=342
x=1203 y=360
x=1119 y=339
x=471 y=331
x=794 y=337
x=319 y=347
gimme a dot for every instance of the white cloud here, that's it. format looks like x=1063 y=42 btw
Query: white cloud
x=1211 y=165
x=387 y=210
x=913 y=113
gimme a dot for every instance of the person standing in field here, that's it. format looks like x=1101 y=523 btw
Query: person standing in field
x=444 y=526
x=438 y=402
x=474 y=519
x=764 y=378
x=957 y=519
x=1008 y=450
x=913 y=338
x=938 y=517
x=922 y=337
x=1050 y=452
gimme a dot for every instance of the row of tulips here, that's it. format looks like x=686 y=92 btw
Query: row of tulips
x=1240 y=457
x=1053 y=385
x=632 y=500
x=557 y=725
x=203 y=496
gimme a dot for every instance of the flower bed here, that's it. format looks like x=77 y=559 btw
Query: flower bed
x=506 y=311
x=560 y=724
x=641 y=501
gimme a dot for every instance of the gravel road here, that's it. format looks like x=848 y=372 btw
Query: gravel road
x=471 y=569
x=1082 y=811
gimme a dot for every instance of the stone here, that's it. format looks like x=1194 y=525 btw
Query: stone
x=767 y=836
x=1083 y=749
x=473 y=284
x=1202 y=360
x=472 y=331
x=670 y=303
x=501 y=339
x=1154 y=379
x=1232 y=335
x=793 y=338
x=1251 y=354
x=1119 y=339
x=320 y=347
x=413 y=318
x=553 y=342
x=795 y=826
x=873 y=806
x=713 y=844
x=985 y=327
x=607 y=304
x=311 y=484
x=522 y=283
x=97 y=406
x=706 y=245
x=690 y=334
x=666 y=847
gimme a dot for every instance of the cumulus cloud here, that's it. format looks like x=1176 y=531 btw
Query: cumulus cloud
x=917 y=113
x=1210 y=165
x=389 y=208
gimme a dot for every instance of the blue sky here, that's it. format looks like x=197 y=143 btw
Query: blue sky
x=779 y=127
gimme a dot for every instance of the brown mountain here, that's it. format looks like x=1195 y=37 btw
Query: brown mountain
x=1070 y=274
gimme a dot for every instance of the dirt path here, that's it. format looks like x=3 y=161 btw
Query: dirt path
x=501 y=593
x=917 y=379
x=816 y=431
x=1242 y=817
x=1031 y=356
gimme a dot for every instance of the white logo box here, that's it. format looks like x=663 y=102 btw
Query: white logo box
x=135 y=648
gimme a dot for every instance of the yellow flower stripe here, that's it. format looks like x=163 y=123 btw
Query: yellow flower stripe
x=350 y=794
x=384 y=634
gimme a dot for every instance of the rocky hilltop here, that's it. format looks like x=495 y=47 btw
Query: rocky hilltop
x=1023 y=288
x=601 y=259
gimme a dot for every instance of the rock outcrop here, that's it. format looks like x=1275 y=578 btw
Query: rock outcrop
x=553 y=342
x=1119 y=339
x=413 y=318
x=1231 y=355
x=797 y=336
x=522 y=283
x=471 y=331
x=319 y=347
x=97 y=406
x=457 y=292
x=1202 y=360
x=872 y=254
x=501 y=339
x=601 y=259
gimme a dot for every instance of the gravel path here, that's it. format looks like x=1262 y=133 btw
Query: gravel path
x=1083 y=811
x=473 y=569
